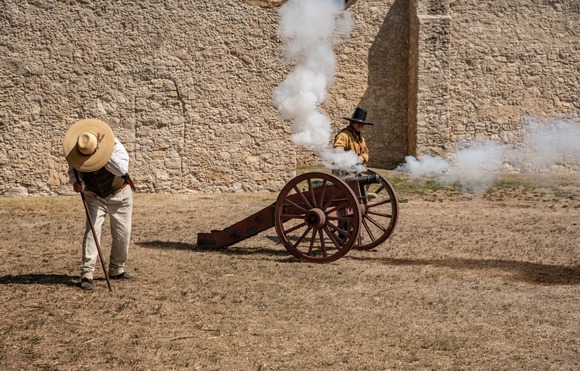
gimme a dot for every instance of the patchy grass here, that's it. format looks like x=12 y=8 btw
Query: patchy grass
x=465 y=282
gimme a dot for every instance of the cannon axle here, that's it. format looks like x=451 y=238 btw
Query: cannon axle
x=315 y=218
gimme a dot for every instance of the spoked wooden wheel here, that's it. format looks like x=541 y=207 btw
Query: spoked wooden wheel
x=317 y=217
x=380 y=211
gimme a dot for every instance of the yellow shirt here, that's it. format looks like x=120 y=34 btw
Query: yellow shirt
x=348 y=140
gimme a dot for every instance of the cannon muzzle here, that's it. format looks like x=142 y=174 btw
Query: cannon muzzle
x=364 y=180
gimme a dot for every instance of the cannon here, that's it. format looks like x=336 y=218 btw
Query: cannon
x=319 y=217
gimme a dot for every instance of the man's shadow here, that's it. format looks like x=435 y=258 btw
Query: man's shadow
x=38 y=279
x=543 y=274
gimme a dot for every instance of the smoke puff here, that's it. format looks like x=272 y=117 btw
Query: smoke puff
x=309 y=30
x=547 y=145
x=338 y=158
x=302 y=91
x=311 y=130
x=309 y=20
x=476 y=168
x=429 y=166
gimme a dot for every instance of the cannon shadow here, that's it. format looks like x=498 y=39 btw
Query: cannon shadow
x=543 y=274
x=169 y=245
x=39 y=279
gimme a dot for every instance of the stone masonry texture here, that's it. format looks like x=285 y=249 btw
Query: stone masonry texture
x=187 y=85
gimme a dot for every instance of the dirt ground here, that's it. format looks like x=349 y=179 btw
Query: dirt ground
x=465 y=282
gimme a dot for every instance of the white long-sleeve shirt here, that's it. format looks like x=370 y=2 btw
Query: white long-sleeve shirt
x=118 y=164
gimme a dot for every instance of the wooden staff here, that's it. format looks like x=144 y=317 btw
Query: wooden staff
x=93 y=230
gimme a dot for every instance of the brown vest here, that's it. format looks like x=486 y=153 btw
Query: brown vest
x=102 y=182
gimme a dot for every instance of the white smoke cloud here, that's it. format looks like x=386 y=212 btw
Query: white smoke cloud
x=427 y=166
x=476 y=168
x=476 y=165
x=549 y=146
x=310 y=29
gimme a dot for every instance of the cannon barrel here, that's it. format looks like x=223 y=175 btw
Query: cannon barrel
x=362 y=180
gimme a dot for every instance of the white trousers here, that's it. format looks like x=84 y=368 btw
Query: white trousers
x=119 y=206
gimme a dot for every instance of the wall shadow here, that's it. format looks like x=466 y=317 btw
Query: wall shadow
x=39 y=279
x=543 y=274
x=386 y=95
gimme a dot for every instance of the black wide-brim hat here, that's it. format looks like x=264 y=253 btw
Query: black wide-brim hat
x=360 y=116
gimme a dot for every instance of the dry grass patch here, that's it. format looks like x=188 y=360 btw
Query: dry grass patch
x=484 y=282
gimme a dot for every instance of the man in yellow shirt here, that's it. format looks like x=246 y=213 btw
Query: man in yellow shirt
x=350 y=138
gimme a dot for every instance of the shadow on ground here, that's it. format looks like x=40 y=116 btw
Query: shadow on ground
x=226 y=250
x=168 y=245
x=41 y=279
x=544 y=274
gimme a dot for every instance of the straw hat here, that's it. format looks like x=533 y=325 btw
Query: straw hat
x=88 y=145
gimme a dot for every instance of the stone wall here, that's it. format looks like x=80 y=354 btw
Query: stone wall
x=187 y=85
x=486 y=65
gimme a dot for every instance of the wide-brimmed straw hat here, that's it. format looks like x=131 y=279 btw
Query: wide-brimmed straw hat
x=360 y=116
x=88 y=145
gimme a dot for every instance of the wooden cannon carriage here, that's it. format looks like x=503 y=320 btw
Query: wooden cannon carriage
x=319 y=217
